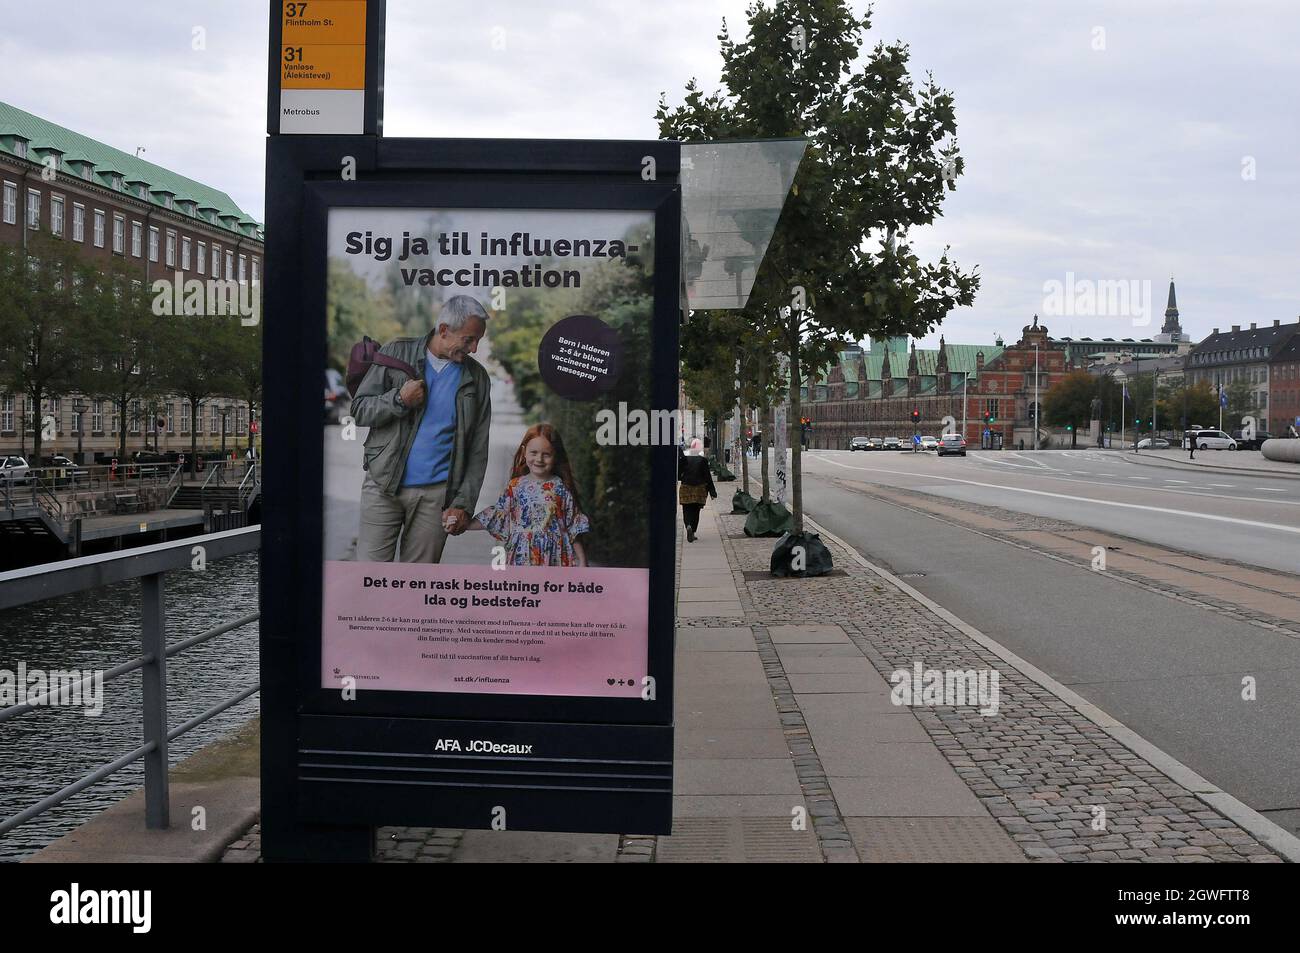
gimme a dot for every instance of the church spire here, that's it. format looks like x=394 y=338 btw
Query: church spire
x=1171 y=325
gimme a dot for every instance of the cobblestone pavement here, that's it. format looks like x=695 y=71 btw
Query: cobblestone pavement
x=1051 y=776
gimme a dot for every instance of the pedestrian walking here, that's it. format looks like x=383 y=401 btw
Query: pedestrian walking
x=696 y=484
x=1191 y=446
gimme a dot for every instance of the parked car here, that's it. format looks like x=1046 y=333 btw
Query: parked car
x=952 y=443
x=14 y=470
x=929 y=443
x=1146 y=443
x=860 y=443
x=1252 y=443
x=1210 y=440
x=892 y=443
x=337 y=399
x=876 y=444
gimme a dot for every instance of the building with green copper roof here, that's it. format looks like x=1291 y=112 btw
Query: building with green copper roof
x=25 y=136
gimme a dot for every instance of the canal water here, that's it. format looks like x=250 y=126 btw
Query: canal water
x=44 y=750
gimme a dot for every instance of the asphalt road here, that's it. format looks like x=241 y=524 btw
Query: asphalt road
x=1248 y=517
x=1171 y=671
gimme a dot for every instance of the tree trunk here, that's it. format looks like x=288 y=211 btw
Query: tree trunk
x=744 y=447
x=194 y=438
x=794 y=428
x=764 y=428
x=121 y=430
x=37 y=396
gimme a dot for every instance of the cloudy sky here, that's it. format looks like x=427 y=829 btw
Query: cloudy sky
x=1117 y=141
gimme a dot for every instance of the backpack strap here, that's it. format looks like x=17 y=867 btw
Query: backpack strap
x=396 y=364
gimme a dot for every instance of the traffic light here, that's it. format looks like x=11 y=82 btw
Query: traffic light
x=916 y=415
x=1069 y=427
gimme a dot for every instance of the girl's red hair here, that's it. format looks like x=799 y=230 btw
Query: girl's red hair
x=560 y=467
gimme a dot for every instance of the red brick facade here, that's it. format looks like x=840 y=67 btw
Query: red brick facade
x=1004 y=385
x=21 y=184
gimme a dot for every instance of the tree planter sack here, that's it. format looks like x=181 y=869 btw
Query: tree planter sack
x=742 y=502
x=723 y=475
x=814 y=561
x=768 y=519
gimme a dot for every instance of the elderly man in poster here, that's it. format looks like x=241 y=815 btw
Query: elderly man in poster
x=427 y=449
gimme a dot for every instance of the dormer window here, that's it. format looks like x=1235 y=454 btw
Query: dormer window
x=20 y=148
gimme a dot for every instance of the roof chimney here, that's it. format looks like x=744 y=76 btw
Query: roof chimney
x=1277 y=322
x=1252 y=325
x=1236 y=327
x=1215 y=331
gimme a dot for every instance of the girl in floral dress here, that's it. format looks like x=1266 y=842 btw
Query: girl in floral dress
x=537 y=517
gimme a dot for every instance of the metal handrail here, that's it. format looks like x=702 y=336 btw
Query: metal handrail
x=178 y=478
x=47 y=501
x=149 y=564
x=248 y=485
x=215 y=471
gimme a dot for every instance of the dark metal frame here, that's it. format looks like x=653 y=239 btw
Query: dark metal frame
x=331 y=767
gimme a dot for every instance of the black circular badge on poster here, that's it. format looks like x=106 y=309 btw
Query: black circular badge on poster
x=580 y=357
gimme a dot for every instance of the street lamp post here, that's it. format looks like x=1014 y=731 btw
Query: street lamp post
x=1155 y=383
x=225 y=415
x=1035 y=396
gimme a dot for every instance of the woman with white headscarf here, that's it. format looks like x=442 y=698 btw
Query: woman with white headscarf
x=696 y=483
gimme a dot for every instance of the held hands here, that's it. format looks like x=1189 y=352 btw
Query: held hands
x=455 y=521
x=412 y=394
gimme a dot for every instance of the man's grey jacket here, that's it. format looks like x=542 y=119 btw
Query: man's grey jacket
x=393 y=428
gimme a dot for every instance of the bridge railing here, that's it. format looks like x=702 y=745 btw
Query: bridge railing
x=149 y=564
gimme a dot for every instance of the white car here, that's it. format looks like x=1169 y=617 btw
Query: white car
x=1210 y=440
x=929 y=443
x=13 y=470
x=1146 y=443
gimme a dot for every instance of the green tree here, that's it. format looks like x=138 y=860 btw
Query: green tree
x=882 y=155
x=42 y=324
x=1069 y=402
x=725 y=360
x=1177 y=401
x=245 y=363
x=1241 y=402
x=127 y=345
x=201 y=366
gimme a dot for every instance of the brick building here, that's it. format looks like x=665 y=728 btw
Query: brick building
x=1284 y=387
x=872 y=393
x=1253 y=355
x=112 y=204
